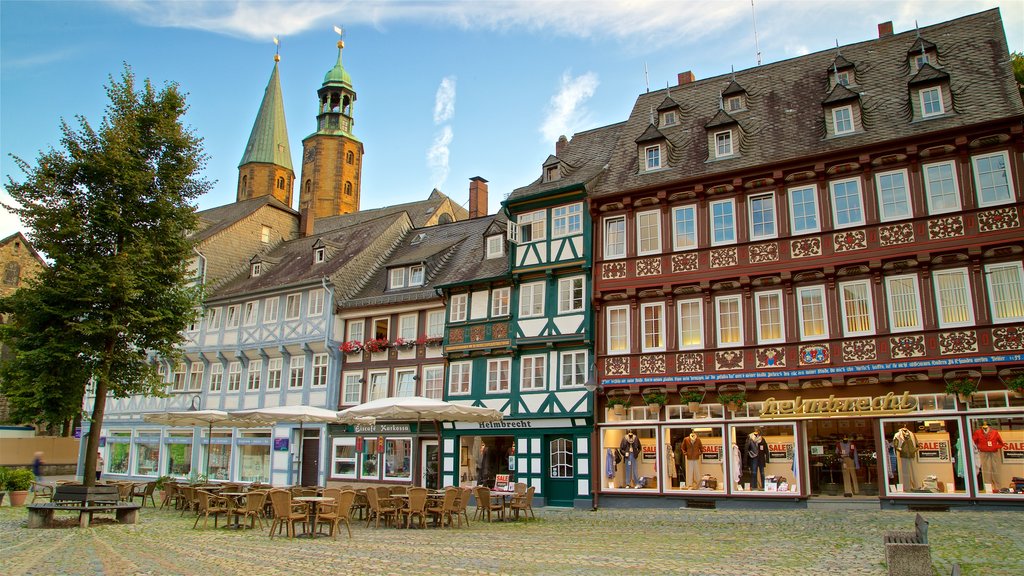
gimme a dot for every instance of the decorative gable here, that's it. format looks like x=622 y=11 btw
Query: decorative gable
x=552 y=169
x=652 y=149
x=921 y=52
x=841 y=73
x=734 y=97
x=723 y=136
x=668 y=113
x=930 y=94
x=842 y=112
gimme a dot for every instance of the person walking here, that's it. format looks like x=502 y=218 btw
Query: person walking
x=99 y=464
x=37 y=467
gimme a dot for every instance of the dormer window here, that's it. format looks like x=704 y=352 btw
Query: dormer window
x=495 y=246
x=551 y=173
x=842 y=120
x=931 y=102
x=734 y=103
x=319 y=255
x=397 y=278
x=652 y=158
x=920 y=60
x=669 y=118
x=723 y=144
x=416 y=274
x=256 y=270
x=920 y=53
x=843 y=78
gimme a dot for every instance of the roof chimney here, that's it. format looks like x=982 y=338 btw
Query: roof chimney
x=685 y=77
x=477 y=197
x=560 y=145
x=885 y=29
x=306 y=218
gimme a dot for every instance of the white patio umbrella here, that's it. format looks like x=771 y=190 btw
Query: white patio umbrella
x=296 y=413
x=199 y=418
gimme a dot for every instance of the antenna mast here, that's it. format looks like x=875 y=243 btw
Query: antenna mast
x=753 y=18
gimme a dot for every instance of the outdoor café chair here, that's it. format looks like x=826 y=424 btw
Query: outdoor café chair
x=523 y=502
x=337 y=512
x=444 y=511
x=253 y=510
x=463 y=502
x=40 y=490
x=398 y=490
x=379 y=507
x=490 y=505
x=417 y=506
x=187 y=498
x=210 y=505
x=144 y=491
x=286 y=512
x=126 y=491
x=171 y=495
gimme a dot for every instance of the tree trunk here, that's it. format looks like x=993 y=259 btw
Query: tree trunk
x=98 y=407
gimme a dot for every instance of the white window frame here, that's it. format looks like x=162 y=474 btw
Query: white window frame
x=822 y=312
x=668 y=118
x=614 y=243
x=727 y=141
x=937 y=91
x=652 y=327
x=234 y=376
x=433 y=382
x=178 y=378
x=457 y=312
x=571 y=294
x=321 y=365
x=682 y=325
x=405 y=382
x=378 y=385
x=532 y=226
x=254 y=376
x=733 y=103
x=843 y=78
x=500 y=299
x=460 y=378
x=256 y=269
x=1003 y=317
x=293 y=306
x=531 y=299
x=352 y=388
x=648 y=231
x=195 y=376
x=495 y=246
x=949 y=202
x=793 y=222
x=1007 y=175
x=435 y=323
x=572 y=369
x=731 y=203
x=232 y=321
x=499 y=372
x=315 y=308
x=296 y=372
x=355 y=328
x=885 y=213
x=612 y=336
x=275 y=367
x=251 y=313
x=417 y=274
x=270 y=309
x=319 y=255
x=835 y=208
x=940 y=296
x=652 y=157
x=719 y=300
x=751 y=202
x=836 y=120
x=913 y=311
x=760 y=301
x=381 y=322
x=337 y=442
x=533 y=372
x=396 y=278
x=846 y=318
x=216 y=376
x=683 y=215
x=213 y=319
x=407 y=326
x=567 y=220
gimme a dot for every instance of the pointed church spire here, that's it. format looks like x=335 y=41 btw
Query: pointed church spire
x=266 y=166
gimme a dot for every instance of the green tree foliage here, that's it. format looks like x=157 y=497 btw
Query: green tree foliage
x=1018 y=70
x=112 y=210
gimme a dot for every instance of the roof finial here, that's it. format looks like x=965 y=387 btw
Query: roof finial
x=721 y=101
x=733 y=68
x=647 y=83
x=341 y=36
x=917 y=31
x=277 y=51
x=668 y=92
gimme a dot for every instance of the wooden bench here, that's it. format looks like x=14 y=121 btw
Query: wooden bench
x=907 y=553
x=86 y=501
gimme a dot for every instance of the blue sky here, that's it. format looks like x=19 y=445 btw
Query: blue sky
x=447 y=90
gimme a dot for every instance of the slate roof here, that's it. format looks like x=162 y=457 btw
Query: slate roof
x=268 y=141
x=784 y=119
x=419 y=211
x=216 y=219
x=451 y=253
x=840 y=94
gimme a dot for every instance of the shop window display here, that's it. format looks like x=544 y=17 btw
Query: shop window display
x=630 y=458
x=763 y=458
x=220 y=456
x=924 y=457
x=997 y=448
x=841 y=457
x=694 y=459
x=482 y=458
x=178 y=451
x=118 y=452
x=147 y=452
x=398 y=459
x=254 y=457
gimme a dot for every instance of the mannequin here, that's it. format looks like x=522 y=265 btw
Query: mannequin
x=692 y=449
x=630 y=448
x=737 y=468
x=483 y=466
x=905 y=444
x=989 y=443
x=847 y=454
x=757 y=456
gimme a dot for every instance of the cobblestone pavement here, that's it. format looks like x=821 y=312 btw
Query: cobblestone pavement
x=609 y=541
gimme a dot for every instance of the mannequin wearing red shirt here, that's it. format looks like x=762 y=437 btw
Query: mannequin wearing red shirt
x=989 y=443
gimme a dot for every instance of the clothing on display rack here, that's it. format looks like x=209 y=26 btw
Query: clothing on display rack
x=847 y=453
x=631 y=452
x=757 y=457
x=905 y=444
x=736 y=463
x=989 y=444
x=692 y=449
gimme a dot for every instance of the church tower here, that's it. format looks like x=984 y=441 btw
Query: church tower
x=266 y=166
x=332 y=158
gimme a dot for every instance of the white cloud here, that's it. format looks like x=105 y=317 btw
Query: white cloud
x=9 y=222
x=437 y=156
x=566 y=112
x=444 y=101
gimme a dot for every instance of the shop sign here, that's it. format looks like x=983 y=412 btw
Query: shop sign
x=933 y=451
x=832 y=406
x=378 y=428
x=780 y=451
x=710 y=453
x=514 y=424
x=1013 y=453
x=280 y=444
x=650 y=453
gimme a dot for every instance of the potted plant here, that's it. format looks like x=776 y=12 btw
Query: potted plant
x=692 y=399
x=160 y=483
x=962 y=387
x=1016 y=384
x=733 y=400
x=18 y=482
x=3 y=484
x=376 y=345
x=403 y=343
x=618 y=404
x=352 y=347
x=655 y=399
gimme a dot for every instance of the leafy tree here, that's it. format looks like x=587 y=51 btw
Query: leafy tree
x=1018 y=70
x=112 y=210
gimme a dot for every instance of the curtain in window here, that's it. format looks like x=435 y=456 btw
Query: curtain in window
x=1007 y=295
x=952 y=298
x=855 y=305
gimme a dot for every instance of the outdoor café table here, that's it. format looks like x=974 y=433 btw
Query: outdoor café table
x=314 y=502
x=236 y=503
x=505 y=497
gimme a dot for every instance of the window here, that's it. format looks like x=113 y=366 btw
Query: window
x=615 y=237
x=355 y=329
x=265 y=235
x=723 y=222
x=566 y=220
x=953 y=298
x=842 y=120
x=531 y=300
x=348 y=188
x=213 y=318
x=349 y=157
x=435 y=324
x=771 y=327
x=249 y=315
x=497 y=375
x=296 y=371
x=319 y=370
x=280 y=183
x=992 y=179
x=378 y=386
x=232 y=320
x=733 y=103
x=669 y=118
x=920 y=60
x=499 y=301
x=893 y=196
x=216 y=376
x=551 y=173
x=723 y=144
x=458 y=308
x=652 y=157
x=811 y=312
x=316 y=303
x=193 y=324
x=270 y=310
x=847 y=205
x=319 y=255
x=618 y=329
x=574 y=369
x=931 y=102
x=459 y=374
x=195 y=377
x=941 y=188
x=382 y=328
x=904 y=303
x=274 y=374
x=352 y=388
x=762 y=216
x=843 y=78
x=729 y=320
x=405 y=383
x=178 y=382
x=343 y=463
x=691 y=324
x=291 y=306
x=652 y=320
x=857 y=309
x=531 y=226
x=570 y=294
x=1006 y=291
x=433 y=381
x=416 y=275
x=803 y=204
x=253 y=375
x=495 y=246
x=684 y=226
x=531 y=373
x=648 y=232
x=397 y=278
x=561 y=458
x=234 y=376
x=407 y=327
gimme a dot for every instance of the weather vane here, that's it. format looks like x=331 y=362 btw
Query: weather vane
x=277 y=50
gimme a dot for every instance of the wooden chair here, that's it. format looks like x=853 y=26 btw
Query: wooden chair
x=523 y=502
x=446 y=509
x=417 y=506
x=463 y=502
x=209 y=505
x=360 y=505
x=520 y=488
x=298 y=491
x=483 y=494
x=379 y=508
x=398 y=490
x=255 y=500
x=170 y=495
x=145 y=491
x=336 y=513
x=287 y=513
x=126 y=491
x=188 y=498
x=481 y=506
x=40 y=490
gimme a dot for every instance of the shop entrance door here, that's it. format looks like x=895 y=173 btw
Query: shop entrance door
x=428 y=464
x=310 y=461
x=826 y=468
x=559 y=485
